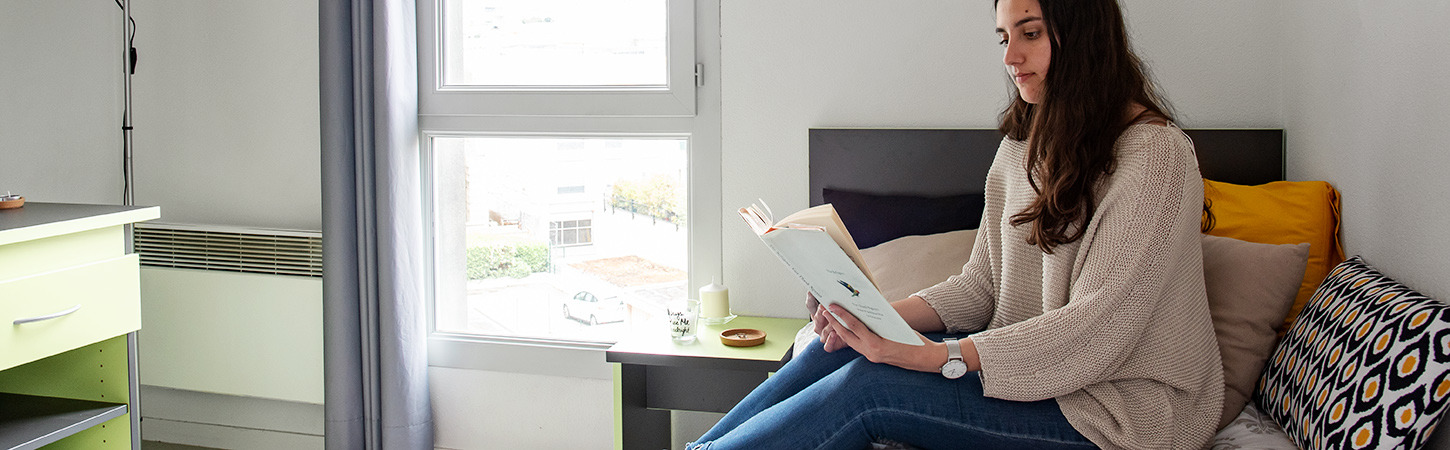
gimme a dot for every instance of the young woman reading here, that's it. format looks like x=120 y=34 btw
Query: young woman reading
x=1082 y=309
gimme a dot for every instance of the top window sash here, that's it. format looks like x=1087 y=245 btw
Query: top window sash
x=676 y=98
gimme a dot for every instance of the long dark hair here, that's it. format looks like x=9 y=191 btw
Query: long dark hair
x=1092 y=80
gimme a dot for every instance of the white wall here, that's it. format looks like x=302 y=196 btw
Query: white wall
x=60 y=100
x=790 y=66
x=1367 y=103
x=227 y=127
x=225 y=108
x=503 y=410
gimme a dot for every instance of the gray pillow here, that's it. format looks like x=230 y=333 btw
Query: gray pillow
x=908 y=264
x=1250 y=289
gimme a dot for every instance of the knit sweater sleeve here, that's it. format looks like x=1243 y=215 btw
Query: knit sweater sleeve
x=966 y=301
x=1146 y=218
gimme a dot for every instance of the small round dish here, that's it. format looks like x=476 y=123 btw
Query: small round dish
x=742 y=337
x=14 y=202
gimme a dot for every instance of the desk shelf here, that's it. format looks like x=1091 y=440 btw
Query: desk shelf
x=29 y=422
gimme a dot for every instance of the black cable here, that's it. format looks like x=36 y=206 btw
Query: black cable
x=126 y=128
x=131 y=39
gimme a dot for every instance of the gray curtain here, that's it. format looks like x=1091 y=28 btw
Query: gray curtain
x=375 y=327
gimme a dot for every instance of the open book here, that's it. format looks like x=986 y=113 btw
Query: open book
x=815 y=245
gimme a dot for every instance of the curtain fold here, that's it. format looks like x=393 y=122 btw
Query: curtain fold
x=375 y=317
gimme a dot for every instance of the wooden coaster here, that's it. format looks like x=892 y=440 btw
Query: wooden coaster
x=742 y=337
x=8 y=204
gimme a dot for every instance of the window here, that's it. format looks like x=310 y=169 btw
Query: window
x=557 y=57
x=571 y=233
x=559 y=43
x=574 y=182
x=530 y=252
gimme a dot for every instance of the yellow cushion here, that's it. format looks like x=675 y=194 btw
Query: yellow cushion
x=1282 y=212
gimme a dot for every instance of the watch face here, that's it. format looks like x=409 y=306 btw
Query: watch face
x=954 y=369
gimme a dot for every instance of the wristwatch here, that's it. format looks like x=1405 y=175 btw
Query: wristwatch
x=954 y=368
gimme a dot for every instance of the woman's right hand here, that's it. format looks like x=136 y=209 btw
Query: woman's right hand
x=829 y=339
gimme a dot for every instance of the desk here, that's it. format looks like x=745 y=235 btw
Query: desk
x=70 y=301
x=655 y=374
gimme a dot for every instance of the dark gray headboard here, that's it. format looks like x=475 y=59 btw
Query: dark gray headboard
x=955 y=161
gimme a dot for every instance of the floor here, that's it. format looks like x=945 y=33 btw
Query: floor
x=152 y=445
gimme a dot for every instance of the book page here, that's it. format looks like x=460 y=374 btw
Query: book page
x=835 y=279
x=826 y=218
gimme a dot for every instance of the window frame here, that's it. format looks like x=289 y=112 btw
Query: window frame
x=702 y=126
x=677 y=98
x=557 y=229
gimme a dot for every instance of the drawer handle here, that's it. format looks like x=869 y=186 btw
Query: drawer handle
x=26 y=320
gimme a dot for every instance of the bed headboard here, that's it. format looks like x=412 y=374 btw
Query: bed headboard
x=938 y=162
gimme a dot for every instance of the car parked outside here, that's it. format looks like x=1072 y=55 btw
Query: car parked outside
x=588 y=308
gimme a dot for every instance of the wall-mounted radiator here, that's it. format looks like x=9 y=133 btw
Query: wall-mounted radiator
x=231 y=319
x=228 y=249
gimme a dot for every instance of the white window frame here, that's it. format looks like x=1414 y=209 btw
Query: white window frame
x=675 y=99
x=687 y=110
x=555 y=231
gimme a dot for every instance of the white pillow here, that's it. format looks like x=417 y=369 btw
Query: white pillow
x=1252 y=429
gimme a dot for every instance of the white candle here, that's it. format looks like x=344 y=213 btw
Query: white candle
x=715 y=301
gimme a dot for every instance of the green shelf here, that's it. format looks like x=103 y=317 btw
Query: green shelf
x=30 y=422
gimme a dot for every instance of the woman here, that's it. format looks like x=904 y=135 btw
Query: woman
x=1082 y=308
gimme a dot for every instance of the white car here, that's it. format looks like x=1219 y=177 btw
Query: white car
x=588 y=308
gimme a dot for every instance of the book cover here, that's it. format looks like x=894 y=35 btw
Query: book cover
x=815 y=245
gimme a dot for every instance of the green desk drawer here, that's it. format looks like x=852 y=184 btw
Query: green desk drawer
x=52 y=312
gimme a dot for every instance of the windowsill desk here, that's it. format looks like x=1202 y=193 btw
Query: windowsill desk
x=654 y=374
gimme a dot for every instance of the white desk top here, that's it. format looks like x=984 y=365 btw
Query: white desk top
x=42 y=220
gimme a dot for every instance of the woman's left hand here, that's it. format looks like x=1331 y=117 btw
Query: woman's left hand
x=925 y=358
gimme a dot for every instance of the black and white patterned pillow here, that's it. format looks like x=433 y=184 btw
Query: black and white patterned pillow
x=1366 y=365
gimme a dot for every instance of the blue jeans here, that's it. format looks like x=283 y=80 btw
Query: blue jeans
x=840 y=400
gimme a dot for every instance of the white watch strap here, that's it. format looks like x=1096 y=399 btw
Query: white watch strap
x=954 y=348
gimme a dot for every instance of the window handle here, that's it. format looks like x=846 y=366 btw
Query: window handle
x=26 y=320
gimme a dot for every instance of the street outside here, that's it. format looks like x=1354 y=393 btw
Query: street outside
x=635 y=259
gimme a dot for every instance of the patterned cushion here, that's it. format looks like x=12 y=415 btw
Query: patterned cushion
x=1367 y=364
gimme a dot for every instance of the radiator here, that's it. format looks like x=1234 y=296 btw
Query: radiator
x=233 y=311
x=229 y=249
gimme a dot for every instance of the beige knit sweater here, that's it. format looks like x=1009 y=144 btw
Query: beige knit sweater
x=1115 y=326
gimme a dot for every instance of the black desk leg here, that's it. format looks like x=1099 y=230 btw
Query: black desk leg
x=643 y=428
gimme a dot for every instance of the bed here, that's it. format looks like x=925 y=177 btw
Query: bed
x=939 y=162
x=913 y=170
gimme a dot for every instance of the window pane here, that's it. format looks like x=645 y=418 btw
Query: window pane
x=566 y=43
x=515 y=254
